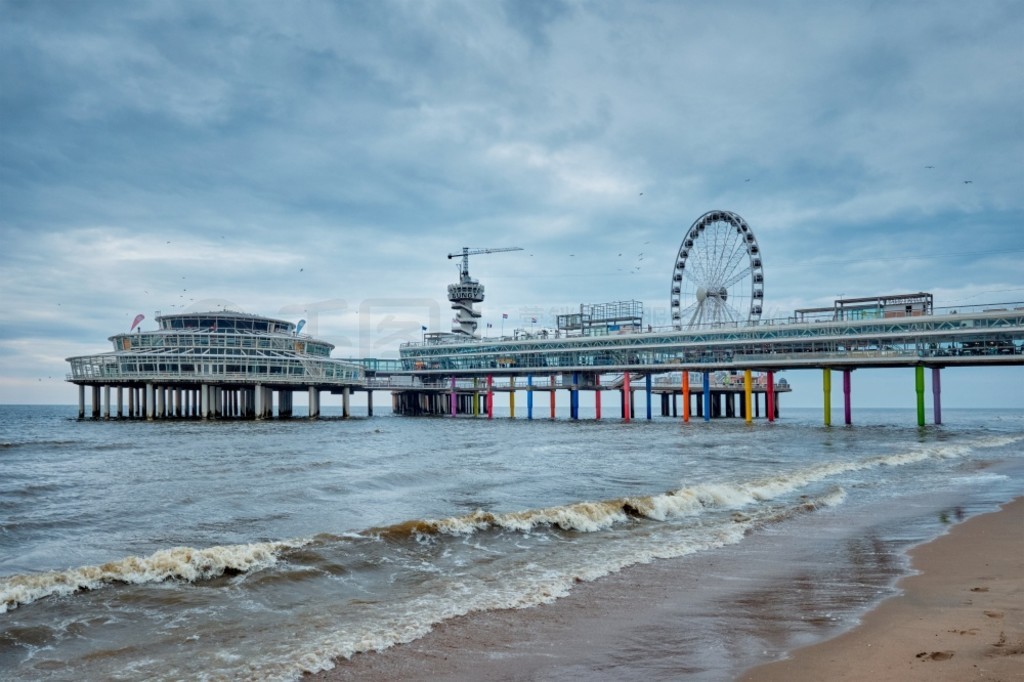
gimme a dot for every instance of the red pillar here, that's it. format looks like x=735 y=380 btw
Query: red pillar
x=686 y=397
x=552 y=396
x=769 y=406
x=626 y=395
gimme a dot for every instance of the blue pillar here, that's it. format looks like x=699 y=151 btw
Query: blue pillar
x=647 y=388
x=707 y=396
x=529 y=396
x=574 y=396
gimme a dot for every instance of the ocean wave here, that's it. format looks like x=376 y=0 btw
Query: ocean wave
x=178 y=563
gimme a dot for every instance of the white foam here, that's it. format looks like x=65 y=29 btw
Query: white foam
x=182 y=563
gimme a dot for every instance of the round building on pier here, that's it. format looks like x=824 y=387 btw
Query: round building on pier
x=211 y=364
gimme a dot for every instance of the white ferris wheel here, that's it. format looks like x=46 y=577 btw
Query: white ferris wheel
x=718 y=279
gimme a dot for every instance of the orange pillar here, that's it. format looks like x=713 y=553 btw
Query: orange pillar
x=686 y=397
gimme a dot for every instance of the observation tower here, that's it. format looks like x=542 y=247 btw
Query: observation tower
x=468 y=291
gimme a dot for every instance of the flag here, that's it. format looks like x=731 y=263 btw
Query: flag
x=533 y=320
x=138 y=318
x=489 y=325
x=299 y=326
x=423 y=328
x=504 y=316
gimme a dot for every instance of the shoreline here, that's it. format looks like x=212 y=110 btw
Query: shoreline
x=960 y=617
x=968 y=595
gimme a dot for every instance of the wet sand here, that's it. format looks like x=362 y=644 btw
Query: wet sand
x=961 y=618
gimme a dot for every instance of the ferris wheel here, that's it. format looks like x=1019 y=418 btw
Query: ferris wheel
x=717 y=279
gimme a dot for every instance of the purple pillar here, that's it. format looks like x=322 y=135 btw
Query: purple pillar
x=846 y=397
x=936 y=395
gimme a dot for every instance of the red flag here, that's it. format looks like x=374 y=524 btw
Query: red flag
x=504 y=316
x=138 y=318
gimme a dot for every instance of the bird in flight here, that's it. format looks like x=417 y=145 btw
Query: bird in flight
x=967 y=182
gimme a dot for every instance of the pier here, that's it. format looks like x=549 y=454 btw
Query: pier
x=718 y=358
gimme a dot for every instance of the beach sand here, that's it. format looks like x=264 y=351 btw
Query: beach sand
x=961 y=618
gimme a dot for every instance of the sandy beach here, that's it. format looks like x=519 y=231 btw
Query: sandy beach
x=960 y=618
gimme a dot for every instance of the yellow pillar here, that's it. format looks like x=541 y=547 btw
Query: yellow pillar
x=747 y=395
x=512 y=398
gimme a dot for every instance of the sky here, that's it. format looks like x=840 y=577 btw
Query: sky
x=319 y=160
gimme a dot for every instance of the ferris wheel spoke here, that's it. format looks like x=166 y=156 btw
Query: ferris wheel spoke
x=737 y=277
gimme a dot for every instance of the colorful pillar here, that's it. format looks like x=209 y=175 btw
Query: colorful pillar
x=552 y=396
x=597 y=396
x=626 y=395
x=937 y=395
x=769 y=397
x=686 y=397
x=707 y=396
x=574 y=397
x=919 y=385
x=529 y=396
x=512 y=398
x=490 y=396
x=647 y=390
x=826 y=387
x=748 y=394
x=847 y=411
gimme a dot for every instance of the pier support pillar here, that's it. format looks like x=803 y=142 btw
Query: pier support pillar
x=937 y=394
x=769 y=398
x=314 y=402
x=748 y=394
x=260 y=398
x=707 y=396
x=919 y=386
x=686 y=396
x=81 y=401
x=120 y=402
x=490 y=396
x=95 y=404
x=369 y=403
x=597 y=397
x=512 y=398
x=847 y=410
x=150 y=400
x=826 y=387
x=627 y=397
x=647 y=390
x=106 y=402
x=551 y=398
x=574 y=397
x=529 y=396
x=204 y=401
x=346 y=394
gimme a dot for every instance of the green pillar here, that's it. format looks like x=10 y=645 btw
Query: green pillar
x=826 y=386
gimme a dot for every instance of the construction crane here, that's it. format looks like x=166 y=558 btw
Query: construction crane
x=468 y=251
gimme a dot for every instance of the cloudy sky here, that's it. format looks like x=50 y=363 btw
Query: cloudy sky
x=319 y=160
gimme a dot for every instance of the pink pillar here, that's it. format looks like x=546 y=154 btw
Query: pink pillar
x=552 y=396
x=769 y=406
x=490 y=397
x=846 y=397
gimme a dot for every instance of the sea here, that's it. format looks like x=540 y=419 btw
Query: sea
x=226 y=550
